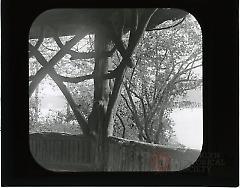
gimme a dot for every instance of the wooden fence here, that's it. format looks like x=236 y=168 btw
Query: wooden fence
x=126 y=155
x=61 y=152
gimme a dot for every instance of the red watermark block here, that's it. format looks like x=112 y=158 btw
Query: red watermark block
x=160 y=161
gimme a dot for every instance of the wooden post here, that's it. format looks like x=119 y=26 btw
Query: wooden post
x=96 y=120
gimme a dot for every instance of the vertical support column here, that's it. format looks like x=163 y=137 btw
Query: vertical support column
x=96 y=120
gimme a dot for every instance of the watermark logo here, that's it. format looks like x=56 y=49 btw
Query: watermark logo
x=160 y=161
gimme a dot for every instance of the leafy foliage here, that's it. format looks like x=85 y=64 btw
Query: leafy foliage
x=165 y=61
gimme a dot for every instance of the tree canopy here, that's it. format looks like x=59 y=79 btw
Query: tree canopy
x=165 y=64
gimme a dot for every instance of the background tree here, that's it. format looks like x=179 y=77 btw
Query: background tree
x=165 y=60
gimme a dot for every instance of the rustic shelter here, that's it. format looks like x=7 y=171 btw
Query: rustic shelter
x=96 y=149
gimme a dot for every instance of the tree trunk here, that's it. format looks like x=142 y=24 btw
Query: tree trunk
x=96 y=120
x=159 y=132
x=157 y=139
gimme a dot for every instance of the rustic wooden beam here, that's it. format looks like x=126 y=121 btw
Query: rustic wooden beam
x=119 y=72
x=44 y=70
x=52 y=73
x=65 y=22
x=88 y=55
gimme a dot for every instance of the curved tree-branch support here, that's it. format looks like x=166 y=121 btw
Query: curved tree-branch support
x=52 y=73
x=58 y=41
x=75 y=79
x=126 y=61
x=171 y=26
x=39 y=42
x=89 y=55
x=80 y=118
x=44 y=70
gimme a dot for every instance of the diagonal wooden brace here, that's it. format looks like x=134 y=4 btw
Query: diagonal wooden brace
x=52 y=73
x=44 y=70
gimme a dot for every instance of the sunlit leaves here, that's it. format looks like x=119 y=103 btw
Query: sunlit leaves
x=33 y=66
x=48 y=48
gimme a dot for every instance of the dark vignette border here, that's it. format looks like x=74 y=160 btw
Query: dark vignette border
x=219 y=23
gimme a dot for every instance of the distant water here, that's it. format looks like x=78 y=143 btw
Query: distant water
x=188 y=122
x=189 y=126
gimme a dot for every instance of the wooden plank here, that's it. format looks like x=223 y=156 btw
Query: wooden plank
x=51 y=151
x=71 y=150
x=74 y=151
x=78 y=152
x=67 y=152
x=110 y=157
x=120 y=156
x=88 y=152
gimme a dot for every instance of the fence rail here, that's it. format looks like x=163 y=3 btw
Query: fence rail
x=56 y=152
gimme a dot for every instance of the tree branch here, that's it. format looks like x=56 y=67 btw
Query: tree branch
x=124 y=98
x=88 y=55
x=133 y=40
x=39 y=42
x=53 y=50
x=58 y=41
x=44 y=70
x=187 y=89
x=135 y=94
x=124 y=127
x=168 y=27
x=81 y=55
x=187 y=80
x=156 y=73
x=144 y=111
x=52 y=73
x=75 y=79
x=145 y=93
x=142 y=24
x=115 y=92
x=161 y=90
x=191 y=68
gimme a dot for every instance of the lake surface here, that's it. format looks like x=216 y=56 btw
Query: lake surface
x=189 y=126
